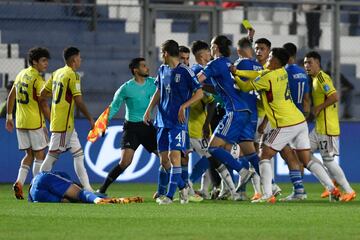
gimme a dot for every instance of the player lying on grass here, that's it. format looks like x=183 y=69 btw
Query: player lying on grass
x=58 y=187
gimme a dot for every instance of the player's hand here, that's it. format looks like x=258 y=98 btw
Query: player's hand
x=147 y=117
x=9 y=125
x=316 y=110
x=251 y=33
x=181 y=114
x=92 y=123
x=261 y=128
x=232 y=69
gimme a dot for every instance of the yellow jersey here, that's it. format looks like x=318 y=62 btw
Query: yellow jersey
x=197 y=116
x=327 y=122
x=276 y=97
x=28 y=85
x=64 y=84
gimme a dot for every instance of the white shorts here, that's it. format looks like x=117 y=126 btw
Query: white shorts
x=296 y=135
x=61 y=142
x=328 y=146
x=35 y=139
x=200 y=146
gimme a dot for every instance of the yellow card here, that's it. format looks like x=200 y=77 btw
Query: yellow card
x=247 y=24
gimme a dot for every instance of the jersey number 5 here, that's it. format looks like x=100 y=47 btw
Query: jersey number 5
x=22 y=88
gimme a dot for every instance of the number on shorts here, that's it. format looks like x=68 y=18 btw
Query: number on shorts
x=24 y=95
x=204 y=143
x=323 y=145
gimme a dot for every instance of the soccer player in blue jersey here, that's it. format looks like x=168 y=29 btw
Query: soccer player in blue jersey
x=235 y=127
x=177 y=89
x=136 y=94
x=57 y=187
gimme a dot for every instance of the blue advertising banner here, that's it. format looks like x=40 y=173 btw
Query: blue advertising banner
x=101 y=156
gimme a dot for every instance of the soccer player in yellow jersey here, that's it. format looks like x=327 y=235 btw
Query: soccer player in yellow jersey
x=65 y=89
x=30 y=123
x=325 y=136
x=287 y=122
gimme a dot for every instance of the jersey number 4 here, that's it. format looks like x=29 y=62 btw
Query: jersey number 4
x=287 y=92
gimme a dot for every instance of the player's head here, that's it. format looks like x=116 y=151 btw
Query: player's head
x=244 y=48
x=72 y=57
x=138 y=67
x=291 y=49
x=220 y=46
x=201 y=51
x=312 y=63
x=278 y=58
x=169 y=49
x=38 y=58
x=262 y=49
x=184 y=55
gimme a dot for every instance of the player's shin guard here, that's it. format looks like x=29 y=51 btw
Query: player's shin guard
x=81 y=170
x=200 y=167
x=87 y=196
x=49 y=161
x=266 y=176
x=175 y=179
x=225 y=157
x=163 y=180
x=226 y=177
x=36 y=166
x=297 y=181
x=319 y=172
x=22 y=174
x=338 y=174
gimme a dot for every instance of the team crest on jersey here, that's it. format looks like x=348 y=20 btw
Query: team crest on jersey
x=326 y=88
x=177 y=77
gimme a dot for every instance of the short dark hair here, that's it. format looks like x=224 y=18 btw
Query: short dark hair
x=184 y=49
x=135 y=63
x=291 y=48
x=69 y=52
x=36 y=53
x=199 y=45
x=281 y=54
x=171 y=47
x=244 y=43
x=223 y=44
x=263 y=41
x=314 y=54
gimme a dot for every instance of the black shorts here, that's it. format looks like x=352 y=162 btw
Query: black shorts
x=136 y=133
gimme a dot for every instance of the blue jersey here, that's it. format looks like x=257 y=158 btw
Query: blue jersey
x=298 y=83
x=251 y=97
x=176 y=87
x=223 y=82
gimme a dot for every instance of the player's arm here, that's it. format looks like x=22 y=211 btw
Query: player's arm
x=330 y=100
x=250 y=74
x=210 y=109
x=201 y=76
x=306 y=104
x=195 y=97
x=117 y=102
x=153 y=102
x=262 y=125
x=10 y=102
x=42 y=100
x=82 y=107
x=245 y=86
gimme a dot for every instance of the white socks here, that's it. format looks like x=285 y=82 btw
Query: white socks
x=226 y=177
x=337 y=173
x=81 y=170
x=205 y=182
x=49 y=161
x=319 y=172
x=256 y=183
x=36 y=166
x=22 y=174
x=266 y=176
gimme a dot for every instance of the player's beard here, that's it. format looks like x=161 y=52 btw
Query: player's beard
x=144 y=74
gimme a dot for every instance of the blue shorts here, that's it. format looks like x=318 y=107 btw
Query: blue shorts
x=48 y=187
x=169 y=139
x=236 y=127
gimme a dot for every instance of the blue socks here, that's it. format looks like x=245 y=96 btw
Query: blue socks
x=297 y=181
x=87 y=197
x=175 y=181
x=254 y=159
x=225 y=157
x=163 y=180
x=200 y=167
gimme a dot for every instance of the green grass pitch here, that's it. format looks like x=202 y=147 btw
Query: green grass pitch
x=314 y=218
